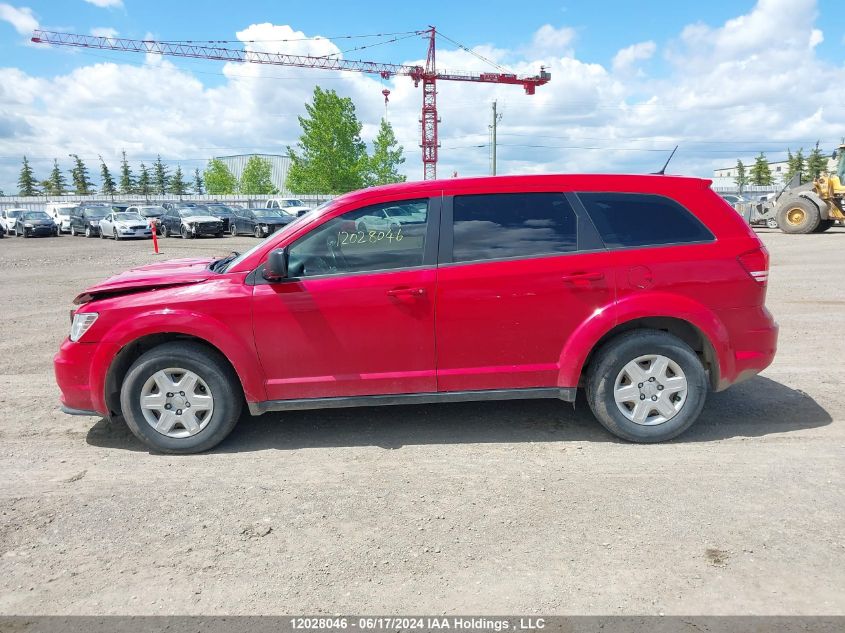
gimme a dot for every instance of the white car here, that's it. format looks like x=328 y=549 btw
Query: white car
x=123 y=224
x=60 y=212
x=290 y=206
x=8 y=218
x=391 y=218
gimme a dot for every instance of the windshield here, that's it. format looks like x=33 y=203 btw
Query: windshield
x=95 y=213
x=186 y=213
x=151 y=212
x=267 y=214
x=13 y=214
x=219 y=210
x=293 y=226
x=35 y=215
x=128 y=217
x=64 y=212
x=292 y=202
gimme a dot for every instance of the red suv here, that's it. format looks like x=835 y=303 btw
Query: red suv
x=645 y=290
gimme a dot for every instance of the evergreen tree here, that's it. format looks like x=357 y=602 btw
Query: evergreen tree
x=26 y=180
x=108 y=185
x=160 y=176
x=816 y=163
x=198 y=186
x=177 y=183
x=386 y=159
x=761 y=174
x=218 y=179
x=257 y=177
x=330 y=155
x=56 y=184
x=127 y=180
x=795 y=166
x=144 y=181
x=79 y=175
x=741 y=179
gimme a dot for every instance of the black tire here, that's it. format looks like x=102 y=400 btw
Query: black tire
x=619 y=351
x=165 y=231
x=824 y=225
x=257 y=232
x=220 y=234
x=72 y=231
x=208 y=365
x=798 y=216
x=772 y=223
x=114 y=234
x=88 y=232
x=184 y=233
x=233 y=231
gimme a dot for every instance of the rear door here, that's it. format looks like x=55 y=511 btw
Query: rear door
x=519 y=273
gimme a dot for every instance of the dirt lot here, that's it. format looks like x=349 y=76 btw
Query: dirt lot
x=516 y=507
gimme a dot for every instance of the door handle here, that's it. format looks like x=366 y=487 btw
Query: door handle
x=584 y=276
x=406 y=292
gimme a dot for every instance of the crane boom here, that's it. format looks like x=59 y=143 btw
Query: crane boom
x=429 y=76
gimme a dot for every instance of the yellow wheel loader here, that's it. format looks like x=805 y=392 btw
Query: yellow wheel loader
x=813 y=207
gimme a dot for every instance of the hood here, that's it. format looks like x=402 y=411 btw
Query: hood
x=127 y=223
x=38 y=222
x=200 y=218
x=176 y=272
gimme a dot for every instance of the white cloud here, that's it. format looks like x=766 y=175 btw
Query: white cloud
x=19 y=17
x=753 y=83
x=630 y=55
x=104 y=31
x=103 y=4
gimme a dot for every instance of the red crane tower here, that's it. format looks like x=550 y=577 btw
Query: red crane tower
x=428 y=75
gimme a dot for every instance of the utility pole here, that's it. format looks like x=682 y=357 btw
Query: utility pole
x=496 y=119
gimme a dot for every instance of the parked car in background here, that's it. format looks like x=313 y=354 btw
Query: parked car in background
x=123 y=224
x=60 y=212
x=85 y=219
x=734 y=199
x=224 y=212
x=8 y=219
x=258 y=222
x=149 y=212
x=35 y=224
x=390 y=218
x=175 y=205
x=190 y=222
x=119 y=206
x=290 y=206
x=649 y=291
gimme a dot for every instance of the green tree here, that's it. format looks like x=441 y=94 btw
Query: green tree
x=26 y=180
x=160 y=176
x=330 y=155
x=177 y=183
x=386 y=159
x=218 y=179
x=257 y=177
x=79 y=175
x=144 y=181
x=127 y=180
x=816 y=163
x=761 y=174
x=795 y=165
x=56 y=184
x=108 y=185
x=198 y=186
x=741 y=179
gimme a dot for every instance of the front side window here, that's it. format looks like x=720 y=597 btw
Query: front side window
x=636 y=219
x=505 y=225
x=354 y=242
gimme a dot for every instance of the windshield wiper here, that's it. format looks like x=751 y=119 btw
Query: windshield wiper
x=219 y=264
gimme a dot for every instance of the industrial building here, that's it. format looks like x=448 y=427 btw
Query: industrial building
x=279 y=166
x=726 y=176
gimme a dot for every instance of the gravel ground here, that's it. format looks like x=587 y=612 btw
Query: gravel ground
x=514 y=507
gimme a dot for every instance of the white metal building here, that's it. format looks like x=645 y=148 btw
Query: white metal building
x=726 y=176
x=279 y=166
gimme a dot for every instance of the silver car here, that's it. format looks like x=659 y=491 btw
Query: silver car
x=123 y=224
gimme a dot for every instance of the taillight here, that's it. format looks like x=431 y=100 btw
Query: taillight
x=756 y=264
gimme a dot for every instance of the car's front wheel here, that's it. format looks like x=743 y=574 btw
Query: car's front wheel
x=233 y=231
x=89 y=232
x=646 y=386
x=181 y=397
x=257 y=232
x=184 y=231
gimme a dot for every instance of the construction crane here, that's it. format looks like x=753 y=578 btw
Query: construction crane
x=428 y=75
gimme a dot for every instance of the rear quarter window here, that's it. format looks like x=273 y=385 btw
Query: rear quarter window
x=632 y=219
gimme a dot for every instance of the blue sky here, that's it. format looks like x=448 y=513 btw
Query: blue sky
x=630 y=79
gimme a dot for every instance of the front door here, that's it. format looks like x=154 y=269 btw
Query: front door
x=520 y=272
x=356 y=316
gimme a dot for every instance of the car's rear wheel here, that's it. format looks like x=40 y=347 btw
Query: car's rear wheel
x=646 y=386
x=181 y=397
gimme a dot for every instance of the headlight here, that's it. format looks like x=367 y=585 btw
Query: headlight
x=265 y=228
x=82 y=322
x=27 y=225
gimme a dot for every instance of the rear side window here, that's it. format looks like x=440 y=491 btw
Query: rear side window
x=496 y=226
x=634 y=219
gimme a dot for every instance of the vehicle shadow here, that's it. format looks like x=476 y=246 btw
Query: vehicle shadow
x=752 y=409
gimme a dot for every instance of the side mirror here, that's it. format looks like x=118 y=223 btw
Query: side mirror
x=277 y=265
